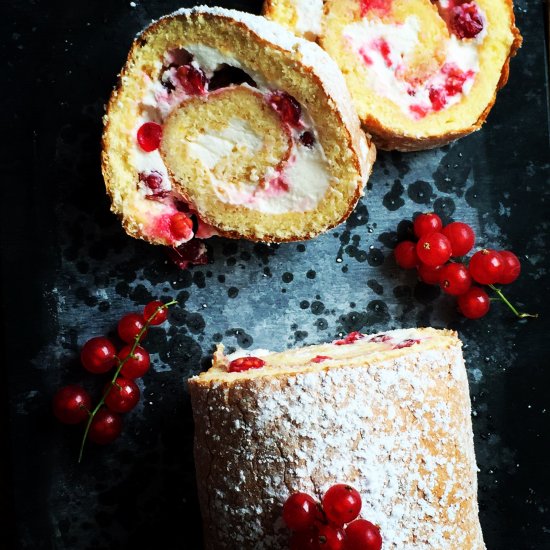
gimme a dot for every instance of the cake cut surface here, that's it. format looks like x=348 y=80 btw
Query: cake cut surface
x=421 y=72
x=388 y=414
x=231 y=122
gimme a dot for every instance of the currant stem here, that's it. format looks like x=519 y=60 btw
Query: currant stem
x=503 y=298
x=137 y=340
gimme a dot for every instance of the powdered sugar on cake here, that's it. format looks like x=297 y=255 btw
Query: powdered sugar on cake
x=397 y=430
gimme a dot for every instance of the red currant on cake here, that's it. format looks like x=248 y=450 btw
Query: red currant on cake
x=192 y=79
x=245 y=363
x=461 y=236
x=433 y=249
x=475 y=303
x=405 y=255
x=122 y=396
x=105 y=427
x=424 y=224
x=300 y=511
x=71 y=404
x=288 y=108
x=134 y=366
x=341 y=504
x=455 y=279
x=330 y=537
x=158 y=309
x=511 y=267
x=98 y=355
x=466 y=21
x=181 y=226
x=486 y=267
x=149 y=136
x=130 y=326
x=363 y=535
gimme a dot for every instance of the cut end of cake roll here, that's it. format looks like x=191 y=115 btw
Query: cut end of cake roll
x=388 y=414
x=226 y=123
x=421 y=73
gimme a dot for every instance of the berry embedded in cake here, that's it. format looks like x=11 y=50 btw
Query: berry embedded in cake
x=421 y=72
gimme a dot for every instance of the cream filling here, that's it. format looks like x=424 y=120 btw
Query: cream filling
x=309 y=14
x=305 y=174
x=304 y=177
x=237 y=136
x=397 y=337
x=386 y=69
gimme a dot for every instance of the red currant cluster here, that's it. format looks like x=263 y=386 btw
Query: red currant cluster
x=431 y=256
x=331 y=524
x=73 y=405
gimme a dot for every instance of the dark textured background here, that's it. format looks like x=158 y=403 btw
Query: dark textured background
x=69 y=272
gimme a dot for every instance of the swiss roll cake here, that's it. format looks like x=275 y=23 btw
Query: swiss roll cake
x=226 y=123
x=388 y=414
x=421 y=72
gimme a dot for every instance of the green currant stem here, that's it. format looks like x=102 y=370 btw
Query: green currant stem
x=508 y=303
x=137 y=341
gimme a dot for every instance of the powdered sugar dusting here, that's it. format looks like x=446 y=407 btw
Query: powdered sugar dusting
x=398 y=430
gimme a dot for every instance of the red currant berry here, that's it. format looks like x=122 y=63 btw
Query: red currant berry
x=181 y=226
x=105 y=427
x=153 y=181
x=363 y=535
x=474 y=304
x=351 y=338
x=405 y=255
x=429 y=274
x=71 y=404
x=245 y=363
x=122 y=396
x=159 y=317
x=455 y=279
x=130 y=326
x=341 y=504
x=136 y=366
x=307 y=139
x=288 y=108
x=192 y=80
x=433 y=249
x=424 y=224
x=461 y=236
x=98 y=355
x=304 y=540
x=486 y=267
x=511 y=268
x=300 y=511
x=466 y=21
x=330 y=537
x=149 y=136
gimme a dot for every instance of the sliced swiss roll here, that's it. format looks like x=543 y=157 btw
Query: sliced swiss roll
x=388 y=414
x=421 y=72
x=224 y=122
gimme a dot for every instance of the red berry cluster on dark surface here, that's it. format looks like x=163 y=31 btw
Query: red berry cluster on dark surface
x=331 y=524
x=73 y=405
x=431 y=256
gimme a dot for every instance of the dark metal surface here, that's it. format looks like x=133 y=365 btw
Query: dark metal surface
x=69 y=272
